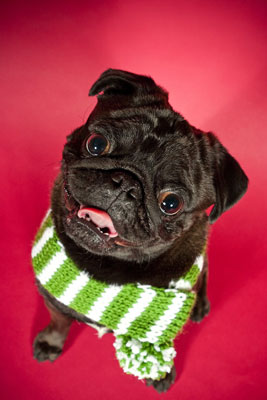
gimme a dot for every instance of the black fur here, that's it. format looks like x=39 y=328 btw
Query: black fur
x=152 y=149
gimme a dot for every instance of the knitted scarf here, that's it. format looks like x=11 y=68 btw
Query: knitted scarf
x=145 y=319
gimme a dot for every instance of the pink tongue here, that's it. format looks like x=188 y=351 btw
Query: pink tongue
x=100 y=218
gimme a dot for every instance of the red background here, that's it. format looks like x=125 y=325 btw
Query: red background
x=211 y=56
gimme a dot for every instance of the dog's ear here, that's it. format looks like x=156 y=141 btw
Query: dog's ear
x=117 y=82
x=229 y=180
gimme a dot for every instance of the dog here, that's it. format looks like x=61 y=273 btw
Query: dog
x=129 y=204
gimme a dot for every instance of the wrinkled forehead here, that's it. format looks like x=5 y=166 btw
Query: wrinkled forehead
x=147 y=129
x=159 y=140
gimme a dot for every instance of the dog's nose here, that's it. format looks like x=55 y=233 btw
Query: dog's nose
x=127 y=183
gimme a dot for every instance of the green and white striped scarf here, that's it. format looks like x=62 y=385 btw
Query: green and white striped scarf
x=145 y=319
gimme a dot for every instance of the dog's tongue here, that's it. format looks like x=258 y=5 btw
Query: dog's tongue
x=99 y=217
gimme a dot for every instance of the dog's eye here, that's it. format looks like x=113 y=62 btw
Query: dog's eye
x=170 y=203
x=97 y=144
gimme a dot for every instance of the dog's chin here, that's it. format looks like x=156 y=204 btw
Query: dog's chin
x=83 y=224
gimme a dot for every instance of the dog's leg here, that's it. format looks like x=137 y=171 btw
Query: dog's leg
x=202 y=306
x=49 y=342
x=163 y=384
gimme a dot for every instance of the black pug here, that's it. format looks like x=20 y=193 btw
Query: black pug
x=129 y=204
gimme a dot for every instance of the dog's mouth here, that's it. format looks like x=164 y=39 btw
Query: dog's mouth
x=99 y=218
x=95 y=219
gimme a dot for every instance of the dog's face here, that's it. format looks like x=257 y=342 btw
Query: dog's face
x=136 y=176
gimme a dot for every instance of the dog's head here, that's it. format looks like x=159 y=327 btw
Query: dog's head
x=137 y=175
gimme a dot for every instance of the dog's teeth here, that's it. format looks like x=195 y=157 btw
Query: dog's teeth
x=98 y=228
x=105 y=233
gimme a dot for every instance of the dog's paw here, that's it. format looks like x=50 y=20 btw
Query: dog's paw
x=201 y=308
x=44 y=349
x=163 y=384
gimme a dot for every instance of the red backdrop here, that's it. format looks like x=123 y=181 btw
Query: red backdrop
x=211 y=56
